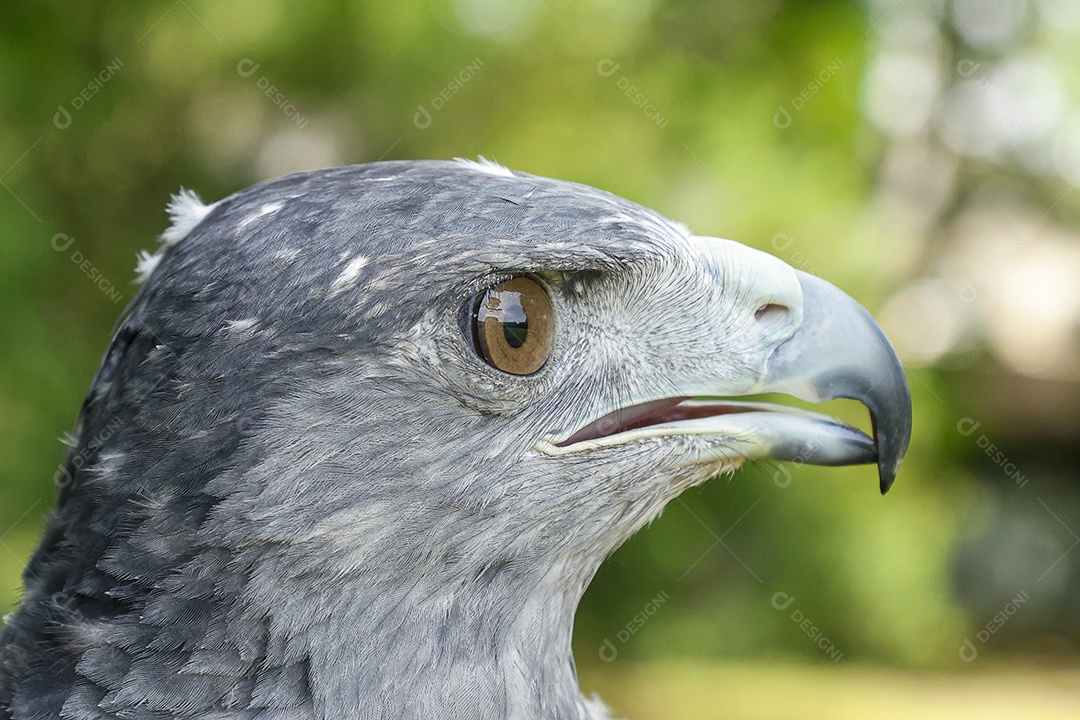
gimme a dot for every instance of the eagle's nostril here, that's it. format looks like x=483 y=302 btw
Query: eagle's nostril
x=771 y=314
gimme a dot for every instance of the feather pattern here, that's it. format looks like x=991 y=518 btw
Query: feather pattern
x=261 y=519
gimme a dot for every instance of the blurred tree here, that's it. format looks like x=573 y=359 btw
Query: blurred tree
x=852 y=141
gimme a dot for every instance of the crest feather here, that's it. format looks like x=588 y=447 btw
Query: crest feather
x=186 y=210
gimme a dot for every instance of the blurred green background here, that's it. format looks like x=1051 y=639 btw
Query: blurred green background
x=921 y=154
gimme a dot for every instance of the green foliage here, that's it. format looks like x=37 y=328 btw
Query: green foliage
x=671 y=104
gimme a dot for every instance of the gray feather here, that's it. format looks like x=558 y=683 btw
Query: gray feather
x=295 y=494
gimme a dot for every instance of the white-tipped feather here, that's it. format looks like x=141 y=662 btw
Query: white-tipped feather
x=186 y=211
x=484 y=165
x=349 y=275
x=146 y=264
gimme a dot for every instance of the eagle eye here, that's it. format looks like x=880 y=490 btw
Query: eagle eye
x=513 y=326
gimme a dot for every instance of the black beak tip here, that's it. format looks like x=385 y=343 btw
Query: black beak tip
x=886 y=478
x=891 y=439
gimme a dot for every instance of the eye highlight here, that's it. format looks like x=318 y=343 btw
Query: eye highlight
x=514 y=326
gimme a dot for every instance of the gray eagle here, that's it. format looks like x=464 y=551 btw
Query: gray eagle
x=365 y=434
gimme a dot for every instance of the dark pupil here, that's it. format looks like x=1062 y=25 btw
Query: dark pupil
x=516 y=333
x=515 y=322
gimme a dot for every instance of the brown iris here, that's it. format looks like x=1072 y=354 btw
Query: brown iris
x=514 y=326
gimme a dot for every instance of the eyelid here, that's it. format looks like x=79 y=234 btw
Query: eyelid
x=466 y=314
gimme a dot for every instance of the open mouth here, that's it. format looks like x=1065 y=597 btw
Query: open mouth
x=750 y=429
x=838 y=351
x=657 y=412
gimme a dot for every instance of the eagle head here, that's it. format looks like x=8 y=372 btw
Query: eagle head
x=364 y=436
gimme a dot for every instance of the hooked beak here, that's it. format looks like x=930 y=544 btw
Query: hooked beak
x=837 y=350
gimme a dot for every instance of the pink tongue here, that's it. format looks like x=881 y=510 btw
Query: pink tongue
x=649 y=413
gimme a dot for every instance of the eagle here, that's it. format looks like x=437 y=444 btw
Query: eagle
x=365 y=434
